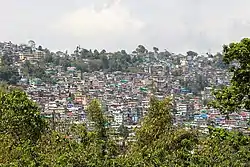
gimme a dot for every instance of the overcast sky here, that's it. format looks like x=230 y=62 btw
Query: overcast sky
x=175 y=25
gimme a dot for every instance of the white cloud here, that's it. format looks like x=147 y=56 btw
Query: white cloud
x=110 y=21
x=176 y=25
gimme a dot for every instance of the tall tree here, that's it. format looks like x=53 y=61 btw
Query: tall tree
x=124 y=133
x=192 y=53
x=141 y=49
x=105 y=62
x=96 y=117
x=157 y=121
x=156 y=50
x=158 y=143
x=32 y=44
x=236 y=96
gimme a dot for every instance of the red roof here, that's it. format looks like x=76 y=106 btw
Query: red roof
x=244 y=114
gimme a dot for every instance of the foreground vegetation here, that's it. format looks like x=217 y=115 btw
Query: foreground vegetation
x=27 y=140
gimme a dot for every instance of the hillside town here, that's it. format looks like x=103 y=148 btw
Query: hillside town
x=124 y=83
x=124 y=94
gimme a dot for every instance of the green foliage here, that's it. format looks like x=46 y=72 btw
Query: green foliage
x=192 y=53
x=173 y=148
x=236 y=95
x=141 y=49
x=123 y=131
x=157 y=122
x=157 y=143
x=20 y=117
x=34 y=70
x=80 y=65
x=95 y=115
x=81 y=148
x=9 y=74
x=88 y=61
x=222 y=148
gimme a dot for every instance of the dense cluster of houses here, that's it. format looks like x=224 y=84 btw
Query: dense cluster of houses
x=125 y=96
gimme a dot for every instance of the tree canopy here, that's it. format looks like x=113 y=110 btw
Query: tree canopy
x=26 y=140
x=20 y=117
x=236 y=96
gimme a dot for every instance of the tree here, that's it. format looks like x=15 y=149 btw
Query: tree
x=141 y=49
x=80 y=65
x=64 y=62
x=48 y=58
x=157 y=121
x=124 y=133
x=237 y=95
x=105 y=62
x=6 y=59
x=36 y=71
x=96 y=54
x=40 y=48
x=222 y=148
x=32 y=44
x=103 y=51
x=20 y=117
x=95 y=65
x=192 y=53
x=95 y=116
x=105 y=149
x=156 y=50
x=9 y=74
x=77 y=50
x=158 y=142
x=218 y=61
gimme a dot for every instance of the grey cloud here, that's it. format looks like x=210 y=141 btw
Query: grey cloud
x=177 y=25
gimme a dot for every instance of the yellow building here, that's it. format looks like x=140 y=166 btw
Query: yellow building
x=32 y=56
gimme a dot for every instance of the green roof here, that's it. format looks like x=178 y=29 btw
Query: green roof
x=124 y=81
x=69 y=99
x=204 y=111
x=143 y=89
x=46 y=116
